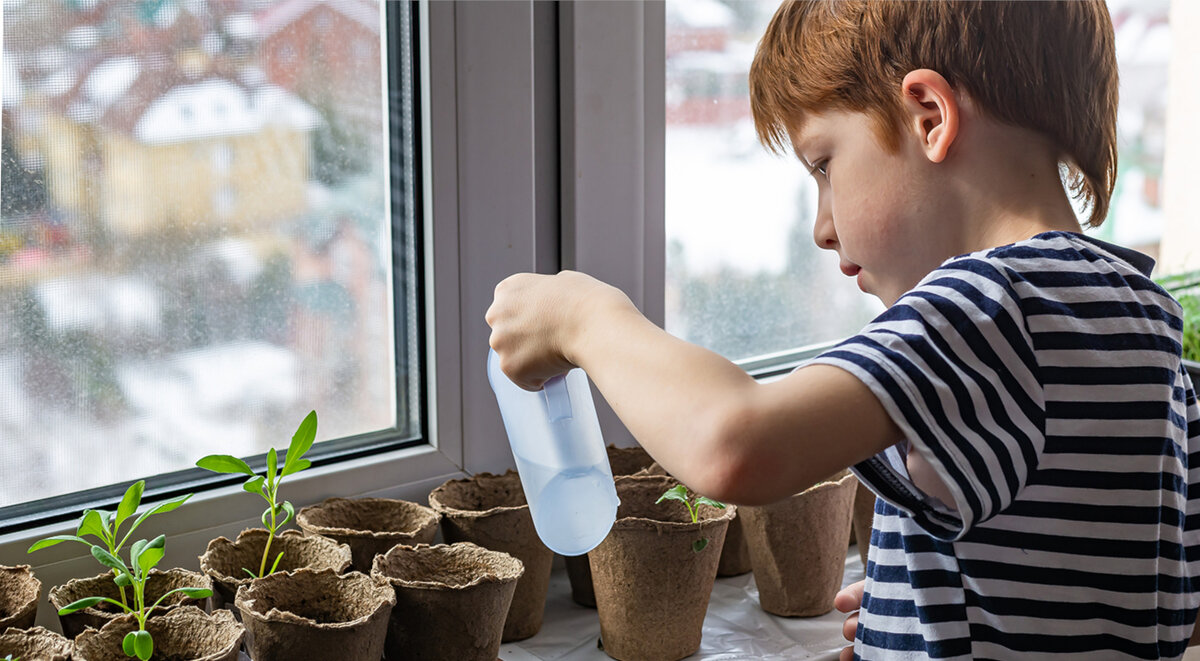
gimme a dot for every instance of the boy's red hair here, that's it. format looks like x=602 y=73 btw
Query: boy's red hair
x=1046 y=66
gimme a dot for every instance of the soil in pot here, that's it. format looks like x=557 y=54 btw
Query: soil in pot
x=311 y=614
x=158 y=584
x=36 y=644
x=369 y=526
x=652 y=589
x=224 y=561
x=182 y=634
x=20 y=592
x=491 y=511
x=864 y=518
x=798 y=547
x=451 y=601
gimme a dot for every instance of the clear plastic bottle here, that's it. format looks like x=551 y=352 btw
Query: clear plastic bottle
x=555 y=438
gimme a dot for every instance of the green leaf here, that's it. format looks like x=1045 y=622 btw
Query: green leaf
x=254 y=484
x=108 y=560
x=135 y=553
x=162 y=508
x=252 y=574
x=151 y=554
x=290 y=513
x=302 y=441
x=143 y=644
x=223 y=463
x=127 y=643
x=677 y=492
x=266 y=518
x=123 y=580
x=129 y=503
x=275 y=565
x=296 y=466
x=709 y=501
x=87 y=602
x=55 y=540
x=272 y=465
x=699 y=544
x=190 y=593
x=92 y=524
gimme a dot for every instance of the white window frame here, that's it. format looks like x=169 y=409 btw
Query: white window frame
x=513 y=94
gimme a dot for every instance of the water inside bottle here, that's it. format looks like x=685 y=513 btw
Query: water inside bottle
x=572 y=507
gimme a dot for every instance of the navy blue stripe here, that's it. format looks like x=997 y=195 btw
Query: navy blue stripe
x=1062 y=477
x=1088 y=512
x=1050 y=340
x=1110 y=279
x=1036 y=306
x=1126 y=410
x=1062 y=643
x=1147 y=446
x=1107 y=376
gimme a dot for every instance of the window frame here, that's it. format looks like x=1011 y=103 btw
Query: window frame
x=507 y=117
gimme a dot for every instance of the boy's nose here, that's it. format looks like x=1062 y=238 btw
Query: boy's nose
x=824 y=234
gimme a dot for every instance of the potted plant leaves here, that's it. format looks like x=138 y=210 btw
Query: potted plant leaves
x=105 y=528
x=20 y=592
x=798 y=547
x=451 y=600
x=491 y=511
x=181 y=633
x=262 y=551
x=34 y=644
x=1185 y=287
x=369 y=526
x=143 y=556
x=653 y=575
x=316 y=614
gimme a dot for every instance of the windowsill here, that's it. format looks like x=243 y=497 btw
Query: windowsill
x=735 y=627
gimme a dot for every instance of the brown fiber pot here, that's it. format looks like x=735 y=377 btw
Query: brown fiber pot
x=182 y=634
x=652 y=589
x=224 y=560
x=622 y=461
x=490 y=510
x=158 y=584
x=798 y=547
x=20 y=592
x=311 y=614
x=369 y=526
x=864 y=518
x=451 y=601
x=36 y=644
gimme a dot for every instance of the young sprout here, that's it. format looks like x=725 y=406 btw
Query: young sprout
x=105 y=526
x=143 y=556
x=277 y=515
x=680 y=493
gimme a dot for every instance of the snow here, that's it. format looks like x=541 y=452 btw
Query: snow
x=99 y=303
x=111 y=79
x=219 y=107
x=240 y=26
x=700 y=14
x=84 y=37
x=14 y=91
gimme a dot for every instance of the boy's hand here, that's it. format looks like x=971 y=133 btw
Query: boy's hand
x=849 y=600
x=538 y=322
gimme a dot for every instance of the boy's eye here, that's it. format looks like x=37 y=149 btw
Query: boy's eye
x=822 y=166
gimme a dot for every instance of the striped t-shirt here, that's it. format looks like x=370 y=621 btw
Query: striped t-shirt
x=1042 y=382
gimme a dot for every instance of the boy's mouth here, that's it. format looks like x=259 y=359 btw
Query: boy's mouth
x=849 y=269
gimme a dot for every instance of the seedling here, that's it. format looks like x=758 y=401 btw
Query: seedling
x=277 y=515
x=680 y=493
x=11 y=658
x=143 y=556
x=1186 y=289
x=105 y=526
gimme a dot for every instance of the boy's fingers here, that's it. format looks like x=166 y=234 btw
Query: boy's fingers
x=847 y=654
x=850 y=597
x=850 y=627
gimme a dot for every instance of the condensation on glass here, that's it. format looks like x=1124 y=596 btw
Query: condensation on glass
x=196 y=240
x=744 y=277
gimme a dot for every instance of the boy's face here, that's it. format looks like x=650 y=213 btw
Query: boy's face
x=879 y=210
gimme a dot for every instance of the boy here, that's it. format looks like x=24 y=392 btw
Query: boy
x=1020 y=408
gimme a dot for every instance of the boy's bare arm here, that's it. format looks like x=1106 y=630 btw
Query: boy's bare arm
x=701 y=416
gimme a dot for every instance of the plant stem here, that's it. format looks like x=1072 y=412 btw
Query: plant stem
x=262 y=568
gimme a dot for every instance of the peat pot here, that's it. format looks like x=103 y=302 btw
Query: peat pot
x=20 y=592
x=225 y=561
x=798 y=547
x=652 y=588
x=158 y=584
x=491 y=511
x=369 y=526
x=181 y=634
x=864 y=518
x=316 y=614
x=451 y=601
x=36 y=644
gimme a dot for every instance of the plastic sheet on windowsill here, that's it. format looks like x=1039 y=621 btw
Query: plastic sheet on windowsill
x=735 y=628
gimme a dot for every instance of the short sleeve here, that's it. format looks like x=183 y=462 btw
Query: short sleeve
x=953 y=364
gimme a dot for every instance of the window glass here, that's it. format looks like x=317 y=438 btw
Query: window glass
x=744 y=277
x=205 y=233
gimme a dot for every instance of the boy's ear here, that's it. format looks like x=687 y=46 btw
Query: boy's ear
x=931 y=111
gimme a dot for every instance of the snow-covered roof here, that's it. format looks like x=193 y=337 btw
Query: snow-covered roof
x=99 y=303
x=283 y=14
x=240 y=25
x=110 y=80
x=700 y=14
x=216 y=107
